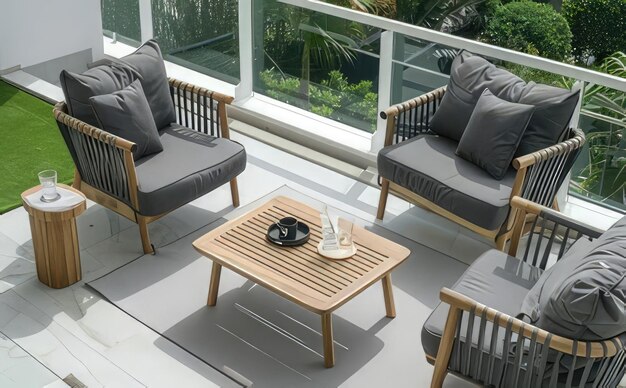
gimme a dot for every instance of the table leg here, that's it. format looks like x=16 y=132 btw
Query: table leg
x=327 y=335
x=215 y=284
x=390 y=306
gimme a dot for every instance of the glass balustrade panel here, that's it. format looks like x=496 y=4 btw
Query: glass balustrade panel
x=202 y=35
x=319 y=63
x=418 y=67
x=120 y=20
x=599 y=173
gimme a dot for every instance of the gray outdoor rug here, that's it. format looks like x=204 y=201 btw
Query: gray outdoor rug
x=257 y=337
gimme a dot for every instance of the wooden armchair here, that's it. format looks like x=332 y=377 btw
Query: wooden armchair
x=508 y=352
x=538 y=175
x=107 y=174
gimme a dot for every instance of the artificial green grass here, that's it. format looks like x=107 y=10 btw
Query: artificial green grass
x=30 y=142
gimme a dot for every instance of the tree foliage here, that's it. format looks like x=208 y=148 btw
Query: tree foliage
x=121 y=17
x=334 y=97
x=432 y=13
x=532 y=28
x=181 y=23
x=598 y=26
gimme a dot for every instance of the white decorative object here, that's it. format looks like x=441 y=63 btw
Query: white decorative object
x=66 y=200
x=336 y=237
x=336 y=254
x=329 y=237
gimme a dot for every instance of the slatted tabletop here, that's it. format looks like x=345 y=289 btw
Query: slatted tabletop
x=299 y=274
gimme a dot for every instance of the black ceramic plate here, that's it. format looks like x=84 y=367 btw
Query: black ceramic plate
x=302 y=235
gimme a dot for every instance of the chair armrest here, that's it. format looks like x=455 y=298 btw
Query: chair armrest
x=550 y=233
x=541 y=173
x=411 y=117
x=564 y=147
x=200 y=109
x=530 y=207
x=176 y=83
x=90 y=130
x=526 y=330
x=524 y=346
x=103 y=160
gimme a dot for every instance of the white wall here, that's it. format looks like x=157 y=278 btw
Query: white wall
x=35 y=31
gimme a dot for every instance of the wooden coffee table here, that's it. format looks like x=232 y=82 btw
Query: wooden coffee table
x=300 y=274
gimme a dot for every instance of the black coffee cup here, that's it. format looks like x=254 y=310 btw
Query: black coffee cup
x=288 y=228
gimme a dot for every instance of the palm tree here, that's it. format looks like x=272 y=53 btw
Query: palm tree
x=328 y=41
x=325 y=41
x=434 y=14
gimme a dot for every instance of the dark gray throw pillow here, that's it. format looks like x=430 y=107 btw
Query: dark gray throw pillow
x=583 y=295
x=470 y=75
x=147 y=61
x=555 y=107
x=493 y=133
x=103 y=79
x=126 y=113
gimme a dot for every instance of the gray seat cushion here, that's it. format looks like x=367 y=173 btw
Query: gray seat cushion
x=428 y=166
x=147 y=61
x=104 y=79
x=495 y=280
x=190 y=165
x=493 y=133
x=470 y=75
x=501 y=282
x=554 y=110
x=126 y=113
x=583 y=295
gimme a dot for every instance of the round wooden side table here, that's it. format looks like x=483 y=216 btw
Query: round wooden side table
x=55 y=240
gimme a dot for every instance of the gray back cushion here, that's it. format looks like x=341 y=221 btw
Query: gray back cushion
x=555 y=107
x=126 y=113
x=470 y=75
x=493 y=132
x=104 y=79
x=583 y=295
x=147 y=61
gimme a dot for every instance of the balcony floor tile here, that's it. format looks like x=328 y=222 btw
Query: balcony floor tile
x=74 y=330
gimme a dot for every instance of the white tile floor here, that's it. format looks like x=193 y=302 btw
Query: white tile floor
x=75 y=331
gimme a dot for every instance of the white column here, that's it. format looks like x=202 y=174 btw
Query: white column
x=578 y=85
x=145 y=19
x=385 y=71
x=246 y=66
x=563 y=192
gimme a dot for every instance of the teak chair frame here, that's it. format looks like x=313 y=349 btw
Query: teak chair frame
x=105 y=169
x=529 y=369
x=539 y=174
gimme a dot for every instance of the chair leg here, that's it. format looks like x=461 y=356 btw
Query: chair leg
x=234 y=192
x=439 y=375
x=76 y=181
x=501 y=241
x=382 y=202
x=445 y=348
x=145 y=237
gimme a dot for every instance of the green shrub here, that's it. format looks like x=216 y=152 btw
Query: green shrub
x=539 y=76
x=486 y=9
x=335 y=97
x=531 y=28
x=598 y=26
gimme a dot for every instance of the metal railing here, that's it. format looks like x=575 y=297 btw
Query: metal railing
x=488 y=50
x=390 y=32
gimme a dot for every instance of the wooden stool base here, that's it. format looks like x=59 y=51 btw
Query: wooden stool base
x=55 y=240
x=56 y=252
